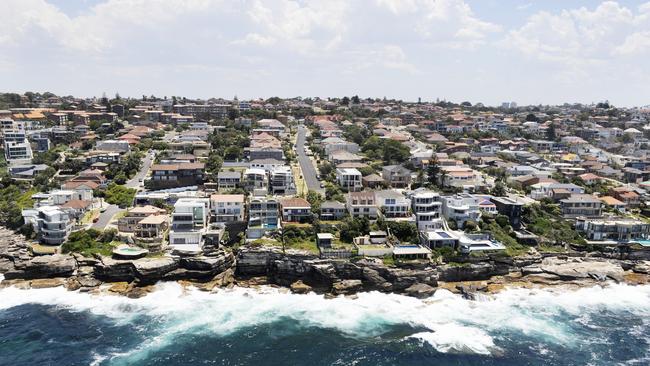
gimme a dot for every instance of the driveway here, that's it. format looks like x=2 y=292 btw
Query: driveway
x=306 y=166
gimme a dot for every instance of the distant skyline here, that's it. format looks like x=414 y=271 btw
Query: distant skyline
x=489 y=51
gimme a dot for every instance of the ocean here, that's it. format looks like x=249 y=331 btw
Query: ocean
x=177 y=326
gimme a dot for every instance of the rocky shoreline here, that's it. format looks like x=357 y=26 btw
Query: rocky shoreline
x=303 y=272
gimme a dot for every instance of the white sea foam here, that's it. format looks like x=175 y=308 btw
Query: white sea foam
x=453 y=324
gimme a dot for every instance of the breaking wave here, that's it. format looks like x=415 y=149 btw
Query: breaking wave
x=446 y=322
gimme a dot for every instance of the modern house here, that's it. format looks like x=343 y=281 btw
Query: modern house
x=189 y=222
x=461 y=208
x=613 y=230
x=349 y=179
x=176 y=175
x=427 y=207
x=281 y=181
x=229 y=180
x=263 y=216
x=393 y=204
x=53 y=224
x=256 y=181
x=510 y=208
x=18 y=151
x=227 y=207
x=581 y=205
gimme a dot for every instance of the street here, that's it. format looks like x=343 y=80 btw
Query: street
x=308 y=171
x=135 y=183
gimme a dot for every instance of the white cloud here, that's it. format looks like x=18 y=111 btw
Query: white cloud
x=442 y=22
x=582 y=35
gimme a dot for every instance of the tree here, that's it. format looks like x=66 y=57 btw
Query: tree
x=433 y=171
x=355 y=100
x=315 y=200
x=550 y=132
x=499 y=189
x=532 y=118
x=345 y=101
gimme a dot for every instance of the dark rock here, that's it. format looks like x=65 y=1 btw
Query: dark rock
x=46 y=266
x=420 y=290
x=300 y=287
x=347 y=287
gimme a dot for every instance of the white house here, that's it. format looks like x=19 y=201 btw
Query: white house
x=52 y=223
x=227 y=207
x=349 y=179
x=189 y=222
x=461 y=208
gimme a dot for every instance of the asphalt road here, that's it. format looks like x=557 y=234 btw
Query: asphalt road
x=306 y=166
x=106 y=216
x=135 y=182
x=111 y=210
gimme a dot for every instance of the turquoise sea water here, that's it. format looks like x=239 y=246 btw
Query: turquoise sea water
x=174 y=326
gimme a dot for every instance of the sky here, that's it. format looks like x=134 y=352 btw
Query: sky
x=489 y=51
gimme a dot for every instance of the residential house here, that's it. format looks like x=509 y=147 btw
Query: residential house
x=255 y=180
x=332 y=210
x=461 y=208
x=53 y=224
x=176 y=175
x=615 y=230
x=427 y=206
x=263 y=216
x=581 y=205
x=396 y=176
x=509 y=207
x=373 y=181
x=150 y=232
x=393 y=204
x=626 y=195
x=227 y=207
x=362 y=204
x=229 y=180
x=342 y=156
x=281 y=181
x=133 y=216
x=295 y=209
x=349 y=179
x=189 y=222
